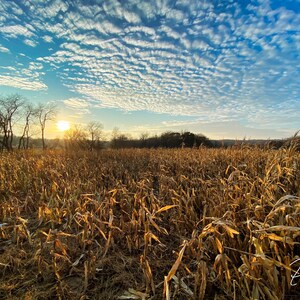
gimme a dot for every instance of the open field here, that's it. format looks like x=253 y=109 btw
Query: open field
x=150 y=224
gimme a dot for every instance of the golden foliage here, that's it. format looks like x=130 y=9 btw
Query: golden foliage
x=147 y=224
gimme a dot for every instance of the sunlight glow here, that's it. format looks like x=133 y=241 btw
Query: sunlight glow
x=63 y=125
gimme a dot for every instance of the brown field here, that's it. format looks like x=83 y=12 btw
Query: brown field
x=150 y=224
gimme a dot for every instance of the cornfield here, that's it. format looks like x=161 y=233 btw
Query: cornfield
x=150 y=224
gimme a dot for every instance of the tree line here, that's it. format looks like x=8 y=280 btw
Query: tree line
x=28 y=120
x=91 y=137
x=17 y=112
x=167 y=139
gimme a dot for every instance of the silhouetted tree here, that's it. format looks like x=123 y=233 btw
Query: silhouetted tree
x=201 y=140
x=45 y=112
x=9 y=107
x=94 y=130
x=29 y=114
x=153 y=142
x=143 y=140
x=115 y=133
x=76 y=138
x=188 y=139
x=171 y=139
x=121 y=141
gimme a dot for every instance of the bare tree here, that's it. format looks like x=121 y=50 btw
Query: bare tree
x=76 y=138
x=115 y=135
x=120 y=140
x=45 y=112
x=9 y=106
x=29 y=113
x=143 y=139
x=94 y=130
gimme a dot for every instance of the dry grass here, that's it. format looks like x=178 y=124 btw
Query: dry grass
x=150 y=224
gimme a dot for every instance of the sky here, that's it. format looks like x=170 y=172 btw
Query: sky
x=226 y=69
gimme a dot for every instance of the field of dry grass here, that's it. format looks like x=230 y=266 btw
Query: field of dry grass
x=150 y=224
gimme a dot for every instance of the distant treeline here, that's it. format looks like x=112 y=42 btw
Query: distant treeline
x=271 y=144
x=192 y=140
x=16 y=110
x=165 y=140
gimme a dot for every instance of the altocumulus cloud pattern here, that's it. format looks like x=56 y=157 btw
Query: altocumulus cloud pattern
x=214 y=60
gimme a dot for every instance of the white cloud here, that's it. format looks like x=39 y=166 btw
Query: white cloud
x=183 y=58
x=22 y=83
x=141 y=29
x=76 y=103
x=4 y=50
x=16 y=30
x=48 y=39
x=170 y=32
x=79 y=105
x=147 y=9
x=49 y=10
x=176 y=15
x=30 y=43
x=27 y=78
x=200 y=45
x=16 y=9
x=35 y=66
x=110 y=28
x=10 y=68
x=131 y=17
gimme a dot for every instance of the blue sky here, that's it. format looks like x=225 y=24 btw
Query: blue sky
x=227 y=69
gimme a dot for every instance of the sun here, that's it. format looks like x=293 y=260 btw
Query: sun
x=63 y=125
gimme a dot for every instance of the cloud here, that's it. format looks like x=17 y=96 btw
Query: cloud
x=14 y=31
x=22 y=83
x=26 y=78
x=10 y=68
x=119 y=11
x=4 y=50
x=35 y=66
x=46 y=9
x=48 y=39
x=215 y=62
x=16 y=9
x=79 y=105
x=30 y=43
x=131 y=17
x=76 y=103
